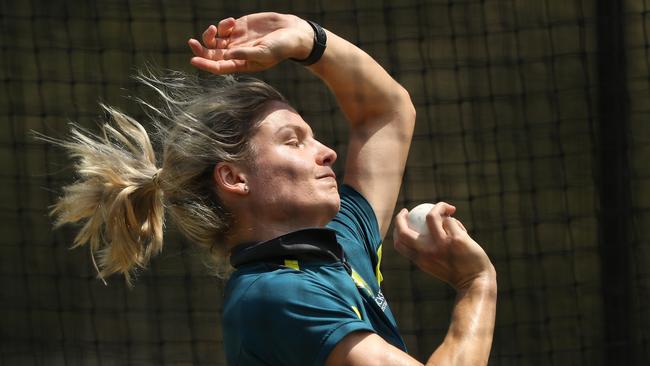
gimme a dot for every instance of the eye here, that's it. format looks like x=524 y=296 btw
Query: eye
x=295 y=142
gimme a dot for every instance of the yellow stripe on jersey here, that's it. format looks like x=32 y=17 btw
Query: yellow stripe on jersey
x=356 y=311
x=377 y=270
x=292 y=264
x=361 y=283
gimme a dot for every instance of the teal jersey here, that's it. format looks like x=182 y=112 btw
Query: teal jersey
x=293 y=298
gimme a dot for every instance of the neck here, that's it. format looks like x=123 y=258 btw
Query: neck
x=256 y=223
x=246 y=231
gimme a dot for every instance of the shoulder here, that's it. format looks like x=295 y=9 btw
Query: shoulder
x=354 y=201
x=313 y=307
x=356 y=226
x=282 y=285
x=356 y=218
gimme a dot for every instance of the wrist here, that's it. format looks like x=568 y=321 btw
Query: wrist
x=310 y=48
x=485 y=280
x=304 y=39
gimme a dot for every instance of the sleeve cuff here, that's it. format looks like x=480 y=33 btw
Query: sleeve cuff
x=336 y=335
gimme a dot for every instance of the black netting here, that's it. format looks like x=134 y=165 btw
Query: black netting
x=515 y=128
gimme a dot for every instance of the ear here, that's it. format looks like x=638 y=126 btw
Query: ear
x=230 y=178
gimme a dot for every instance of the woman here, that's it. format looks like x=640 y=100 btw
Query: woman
x=243 y=175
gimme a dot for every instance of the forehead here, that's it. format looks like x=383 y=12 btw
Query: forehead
x=278 y=116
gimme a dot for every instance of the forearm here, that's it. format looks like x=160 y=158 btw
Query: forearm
x=469 y=338
x=381 y=117
x=362 y=87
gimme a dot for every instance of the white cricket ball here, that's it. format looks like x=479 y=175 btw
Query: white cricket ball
x=417 y=218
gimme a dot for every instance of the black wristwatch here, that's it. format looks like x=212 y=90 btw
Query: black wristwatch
x=320 y=42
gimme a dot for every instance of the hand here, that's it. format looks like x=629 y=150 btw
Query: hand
x=447 y=252
x=251 y=43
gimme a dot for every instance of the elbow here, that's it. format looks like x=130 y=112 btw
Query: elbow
x=406 y=109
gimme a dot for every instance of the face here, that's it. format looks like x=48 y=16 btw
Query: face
x=291 y=180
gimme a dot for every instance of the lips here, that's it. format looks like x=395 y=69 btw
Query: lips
x=327 y=175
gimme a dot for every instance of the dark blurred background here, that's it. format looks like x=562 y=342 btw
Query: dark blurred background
x=532 y=120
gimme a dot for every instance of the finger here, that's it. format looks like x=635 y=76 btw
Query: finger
x=196 y=47
x=402 y=229
x=461 y=224
x=402 y=235
x=445 y=209
x=199 y=51
x=225 y=27
x=224 y=31
x=453 y=226
x=209 y=37
x=220 y=66
x=435 y=219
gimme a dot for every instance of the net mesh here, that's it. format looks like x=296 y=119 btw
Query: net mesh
x=509 y=130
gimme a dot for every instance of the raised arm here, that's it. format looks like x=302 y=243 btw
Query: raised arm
x=381 y=118
x=379 y=110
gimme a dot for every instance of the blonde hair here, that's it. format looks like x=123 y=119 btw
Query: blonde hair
x=121 y=193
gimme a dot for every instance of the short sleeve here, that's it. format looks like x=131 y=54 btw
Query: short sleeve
x=356 y=220
x=304 y=317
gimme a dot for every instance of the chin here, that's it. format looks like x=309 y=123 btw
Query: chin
x=327 y=207
x=333 y=207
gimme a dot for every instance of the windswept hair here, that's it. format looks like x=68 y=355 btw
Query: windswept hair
x=122 y=192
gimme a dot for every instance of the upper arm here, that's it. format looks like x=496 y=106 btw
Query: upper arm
x=321 y=309
x=368 y=349
x=377 y=153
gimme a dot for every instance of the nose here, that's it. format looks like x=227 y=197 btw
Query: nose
x=326 y=156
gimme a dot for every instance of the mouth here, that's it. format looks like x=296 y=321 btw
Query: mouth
x=327 y=175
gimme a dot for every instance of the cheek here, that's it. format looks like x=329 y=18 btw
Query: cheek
x=273 y=177
x=287 y=172
x=276 y=175
x=279 y=171
x=290 y=165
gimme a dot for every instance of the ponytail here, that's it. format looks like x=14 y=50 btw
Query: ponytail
x=116 y=198
x=121 y=192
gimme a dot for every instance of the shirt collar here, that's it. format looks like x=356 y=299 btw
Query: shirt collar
x=306 y=244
